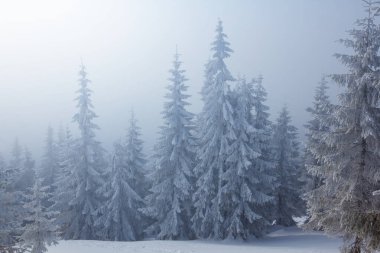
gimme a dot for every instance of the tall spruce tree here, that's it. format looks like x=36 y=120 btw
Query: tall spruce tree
x=215 y=137
x=65 y=183
x=317 y=127
x=9 y=220
x=12 y=198
x=262 y=142
x=121 y=218
x=349 y=165
x=135 y=158
x=170 y=198
x=287 y=170
x=88 y=167
x=245 y=184
x=262 y=126
x=20 y=176
x=39 y=231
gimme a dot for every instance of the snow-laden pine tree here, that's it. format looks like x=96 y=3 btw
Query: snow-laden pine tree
x=65 y=183
x=262 y=143
x=39 y=230
x=12 y=212
x=49 y=164
x=317 y=127
x=244 y=183
x=350 y=164
x=262 y=125
x=88 y=164
x=121 y=218
x=169 y=203
x=9 y=222
x=135 y=158
x=287 y=171
x=20 y=179
x=216 y=132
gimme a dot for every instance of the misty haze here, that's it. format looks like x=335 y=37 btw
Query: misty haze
x=189 y=126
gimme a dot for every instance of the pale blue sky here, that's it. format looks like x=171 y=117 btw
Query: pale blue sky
x=128 y=47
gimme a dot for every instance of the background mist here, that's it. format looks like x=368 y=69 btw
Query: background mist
x=128 y=47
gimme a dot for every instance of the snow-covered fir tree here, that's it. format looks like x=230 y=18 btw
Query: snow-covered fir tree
x=120 y=216
x=287 y=171
x=17 y=178
x=262 y=143
x=262 y=125
x=350 y=164
x=20 y=177
x=245 y=184
x=49 y=164
x=88 y=165
x=64 y=184
x=317 y=127
x=39 y=230
x=216 y=132
x=170 y=203
x=135 y=158
x=9 y=222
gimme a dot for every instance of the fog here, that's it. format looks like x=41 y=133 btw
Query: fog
x=128 y=46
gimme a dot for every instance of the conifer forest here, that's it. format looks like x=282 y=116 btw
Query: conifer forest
x=225 y=147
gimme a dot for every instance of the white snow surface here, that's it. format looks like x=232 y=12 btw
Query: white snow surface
x=292 y=240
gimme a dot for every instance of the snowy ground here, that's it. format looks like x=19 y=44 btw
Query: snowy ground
x=291 y=240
